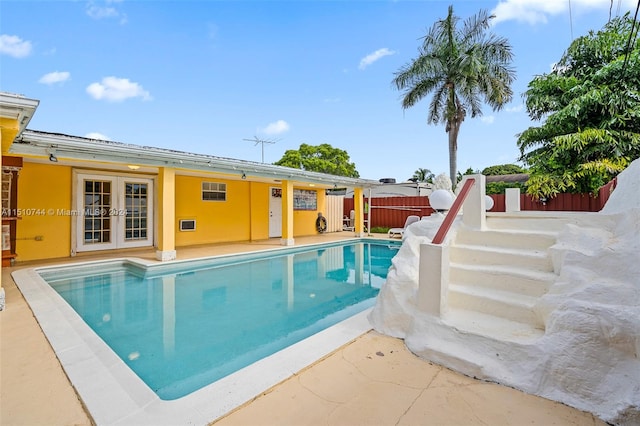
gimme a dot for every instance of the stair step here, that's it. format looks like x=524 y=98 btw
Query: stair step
x=503 y=278
x=503 y=304
x=532 y=220
x=492 y=327
x=479 y=255
x=507 y=238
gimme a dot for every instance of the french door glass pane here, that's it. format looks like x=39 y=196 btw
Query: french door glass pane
x=136 y=204
x=97 y=205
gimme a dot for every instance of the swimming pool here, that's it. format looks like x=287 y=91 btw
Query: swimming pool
x=161 y=312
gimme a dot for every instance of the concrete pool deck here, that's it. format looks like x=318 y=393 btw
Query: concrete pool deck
x=372 y=380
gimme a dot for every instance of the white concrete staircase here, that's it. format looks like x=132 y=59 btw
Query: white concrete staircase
x=497 y=275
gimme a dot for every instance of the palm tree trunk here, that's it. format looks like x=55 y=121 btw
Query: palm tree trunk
x=453 y=152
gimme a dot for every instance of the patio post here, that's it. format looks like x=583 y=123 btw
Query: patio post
x=287 y=213
x=166 y=214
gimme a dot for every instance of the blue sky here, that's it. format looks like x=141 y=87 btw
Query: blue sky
x=202 y=76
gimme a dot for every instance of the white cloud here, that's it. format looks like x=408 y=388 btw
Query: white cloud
x=515 y=108
x=372 y=57
x=95 y=135
x=537 y=11
x=14 y=46
x=275 y=128
x=117 y=89
x=107 y=11
x=55 y=77
x=489 y=119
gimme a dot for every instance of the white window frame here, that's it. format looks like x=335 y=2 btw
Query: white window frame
x=209 y=187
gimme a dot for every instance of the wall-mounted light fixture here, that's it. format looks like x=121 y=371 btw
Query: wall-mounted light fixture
x=244 y=176
x=133 y=167
x=53 y=158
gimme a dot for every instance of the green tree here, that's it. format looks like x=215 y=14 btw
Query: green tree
x=590 y=108
x=462 y=67
x=322 y=158
x=469 y=171
x=422 y=175
x=503 y=169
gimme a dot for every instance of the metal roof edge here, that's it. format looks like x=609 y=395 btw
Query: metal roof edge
x=79 y=147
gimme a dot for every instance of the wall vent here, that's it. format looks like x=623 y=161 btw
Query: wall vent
x=187 y=224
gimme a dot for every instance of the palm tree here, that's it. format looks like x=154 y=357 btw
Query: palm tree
x=463 y=67
x=422 y=175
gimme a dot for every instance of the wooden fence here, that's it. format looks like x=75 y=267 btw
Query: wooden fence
x=561 y=202
x=392 y=212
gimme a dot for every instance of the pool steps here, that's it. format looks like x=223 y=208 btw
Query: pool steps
x=497 y=275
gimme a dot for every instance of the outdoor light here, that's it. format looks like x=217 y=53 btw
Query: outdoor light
x=133 y=167
x=488 y=203
x=53 y=158
x=440 y=200
x=244 y=176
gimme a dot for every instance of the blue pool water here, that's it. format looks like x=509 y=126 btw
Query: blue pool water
x=182 y=326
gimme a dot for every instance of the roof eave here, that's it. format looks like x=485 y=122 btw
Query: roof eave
x=76 y=148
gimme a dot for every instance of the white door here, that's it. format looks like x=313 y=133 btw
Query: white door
x=113 y=212
x=275 y=212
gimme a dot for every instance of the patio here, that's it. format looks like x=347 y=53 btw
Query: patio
x=373 y=380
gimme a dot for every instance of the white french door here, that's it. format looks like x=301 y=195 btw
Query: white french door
x=113 y=212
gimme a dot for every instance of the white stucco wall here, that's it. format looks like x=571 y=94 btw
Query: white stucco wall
x=589 y=355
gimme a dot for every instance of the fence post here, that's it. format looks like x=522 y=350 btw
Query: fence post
x=512 y=200
x=474 y=207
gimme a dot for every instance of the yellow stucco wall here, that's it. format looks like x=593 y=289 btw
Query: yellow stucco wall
x=8 y=132
x=260 y=193
x=216 y=221
x=43 y=190
x=304 y=221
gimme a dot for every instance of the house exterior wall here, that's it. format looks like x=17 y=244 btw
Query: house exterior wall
x=304 y=221
x=216 y=221
x=44 y=192
x=259 y=196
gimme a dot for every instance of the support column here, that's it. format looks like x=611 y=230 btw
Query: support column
x=358 y=207
x=287 y=213
x=166 y=214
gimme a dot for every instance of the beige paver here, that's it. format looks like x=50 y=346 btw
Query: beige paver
x=374 y=380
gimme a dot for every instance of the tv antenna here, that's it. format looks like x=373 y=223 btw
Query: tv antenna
x=262 y=142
